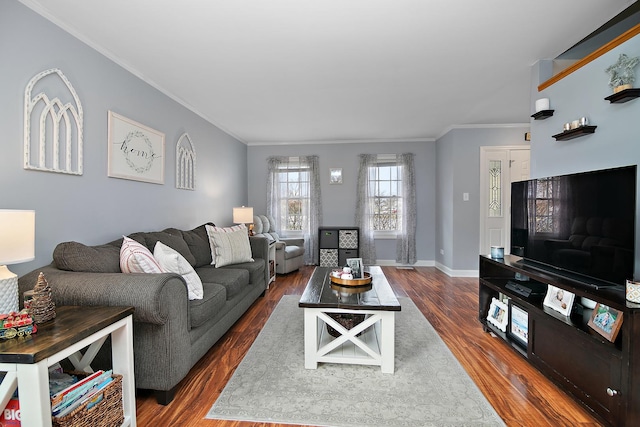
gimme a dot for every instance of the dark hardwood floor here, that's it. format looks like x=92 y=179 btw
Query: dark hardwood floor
x=519 y=393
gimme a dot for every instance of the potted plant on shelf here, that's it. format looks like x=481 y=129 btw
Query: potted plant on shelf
x=622 y=74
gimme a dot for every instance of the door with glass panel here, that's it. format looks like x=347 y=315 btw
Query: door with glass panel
x=499 y=167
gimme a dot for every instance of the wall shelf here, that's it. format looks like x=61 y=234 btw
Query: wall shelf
x=542 y=115
x=575 y=133
x=623 y=96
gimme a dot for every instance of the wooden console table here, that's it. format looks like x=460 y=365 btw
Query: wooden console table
x=26 y=360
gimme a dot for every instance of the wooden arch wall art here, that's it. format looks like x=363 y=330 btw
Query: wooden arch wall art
x=185 y=163
x=53 y=124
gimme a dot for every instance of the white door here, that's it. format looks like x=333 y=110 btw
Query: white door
x=499 y=167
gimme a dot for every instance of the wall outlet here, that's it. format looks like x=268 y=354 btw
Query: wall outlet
x=441 y=251
x=465 y=197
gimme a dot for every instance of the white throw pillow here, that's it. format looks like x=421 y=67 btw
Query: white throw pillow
x=136 y=258
x=229 y=245
x=173 y=262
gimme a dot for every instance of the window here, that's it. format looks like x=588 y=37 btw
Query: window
x=293 y=179
x=385 y=180
x=544 y=205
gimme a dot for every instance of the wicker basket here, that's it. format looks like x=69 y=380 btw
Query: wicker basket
x=107 y=413
x=348 y=320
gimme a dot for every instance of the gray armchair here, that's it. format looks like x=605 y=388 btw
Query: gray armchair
x=289 y=252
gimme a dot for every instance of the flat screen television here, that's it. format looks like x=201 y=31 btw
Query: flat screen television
x=578 y=225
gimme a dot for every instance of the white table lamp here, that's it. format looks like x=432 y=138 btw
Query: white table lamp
x=244 y=215
x=17 y=244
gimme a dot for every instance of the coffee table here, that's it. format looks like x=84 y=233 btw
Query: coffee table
x=371 y=342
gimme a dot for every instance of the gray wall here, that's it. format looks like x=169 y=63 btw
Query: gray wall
x=93 y=208
x=458 y=221
x=581 y=94
x=339 y=201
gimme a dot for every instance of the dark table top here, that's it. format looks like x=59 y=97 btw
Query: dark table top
x=71 y=324
x=320 y=293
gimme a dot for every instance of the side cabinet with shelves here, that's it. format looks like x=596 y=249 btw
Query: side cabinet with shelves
x=601 y=375
x=336 y=244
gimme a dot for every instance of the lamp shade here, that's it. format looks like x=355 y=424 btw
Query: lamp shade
x=17 y=236
x=243 y=215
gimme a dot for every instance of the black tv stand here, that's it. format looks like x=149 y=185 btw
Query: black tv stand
x=603 y=376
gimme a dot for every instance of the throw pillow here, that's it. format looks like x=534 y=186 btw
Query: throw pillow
x=136 y=258
x=229 y=245
x=171 y=260
x=74 y=256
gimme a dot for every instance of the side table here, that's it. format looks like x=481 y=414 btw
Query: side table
x=26 y=360
x=272 y=263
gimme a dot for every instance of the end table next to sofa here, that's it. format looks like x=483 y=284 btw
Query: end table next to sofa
x=26 y=359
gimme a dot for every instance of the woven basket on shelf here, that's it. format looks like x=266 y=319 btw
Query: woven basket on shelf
x=347 y=320
x=107 y=413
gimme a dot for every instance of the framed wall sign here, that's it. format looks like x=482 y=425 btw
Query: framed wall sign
x=136 y=151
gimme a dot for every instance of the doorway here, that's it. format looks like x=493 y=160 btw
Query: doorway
x=499 y=167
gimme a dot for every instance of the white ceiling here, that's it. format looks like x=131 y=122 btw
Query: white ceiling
x=281 y=71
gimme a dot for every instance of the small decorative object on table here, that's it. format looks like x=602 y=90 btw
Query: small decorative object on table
x=633 y=291
x=16 y=325
x=42 y=307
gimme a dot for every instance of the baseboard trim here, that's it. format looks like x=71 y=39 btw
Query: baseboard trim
x=393 y=263
x=456 y=273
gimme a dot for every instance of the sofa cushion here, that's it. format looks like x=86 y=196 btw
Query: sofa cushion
x=174 y=241
x=136 y=258
x=229 y=245
x=213 y=299
x=198 y=242
x=255 y=269
x=170 y=260
x=74 y=256
x=293 y=251
x=234 y=280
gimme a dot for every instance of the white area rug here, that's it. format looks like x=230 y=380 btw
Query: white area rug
x=428 y=388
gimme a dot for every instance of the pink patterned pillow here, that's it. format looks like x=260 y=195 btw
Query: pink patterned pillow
x=136 y=258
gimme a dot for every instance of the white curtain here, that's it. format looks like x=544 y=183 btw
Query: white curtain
x=312 y=209
x=364 y=209
x=406 y=237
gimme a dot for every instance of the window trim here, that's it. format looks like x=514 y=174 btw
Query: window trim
x=387 y=160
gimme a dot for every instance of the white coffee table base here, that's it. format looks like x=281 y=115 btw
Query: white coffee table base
x=376 y=346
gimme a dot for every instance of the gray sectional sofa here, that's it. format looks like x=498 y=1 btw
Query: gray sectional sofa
x=171 y=332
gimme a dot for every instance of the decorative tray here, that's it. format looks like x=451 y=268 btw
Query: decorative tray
x=352 y=282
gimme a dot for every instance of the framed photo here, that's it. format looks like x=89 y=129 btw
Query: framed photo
x=498 y=314
x=559 y=300
x=357 y=268
x=136 y=151
x=335 y=175
x=518 y=324
x=606 y=321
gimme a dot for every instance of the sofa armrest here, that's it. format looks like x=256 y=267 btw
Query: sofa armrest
x=293 y=241
x=152 y=295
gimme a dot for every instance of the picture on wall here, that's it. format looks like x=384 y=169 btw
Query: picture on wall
x=136 y=151
x=335 y=176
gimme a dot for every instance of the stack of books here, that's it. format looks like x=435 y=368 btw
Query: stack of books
x=88 y=389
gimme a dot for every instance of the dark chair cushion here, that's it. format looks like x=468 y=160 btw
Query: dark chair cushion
x=234 y=280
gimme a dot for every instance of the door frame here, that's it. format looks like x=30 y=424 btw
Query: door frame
x=506 y=192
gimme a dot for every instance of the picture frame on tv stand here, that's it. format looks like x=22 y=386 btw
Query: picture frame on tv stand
x=518 y=324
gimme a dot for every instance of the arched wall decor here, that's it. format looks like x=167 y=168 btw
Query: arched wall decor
x=52 y=127
x=185 y=163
